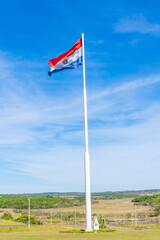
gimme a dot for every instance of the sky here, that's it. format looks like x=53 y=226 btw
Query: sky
x=41 y=117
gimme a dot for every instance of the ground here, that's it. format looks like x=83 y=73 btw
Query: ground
x=110 y=208
x=54 y=233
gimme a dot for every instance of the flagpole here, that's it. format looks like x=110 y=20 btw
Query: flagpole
x=86 y=157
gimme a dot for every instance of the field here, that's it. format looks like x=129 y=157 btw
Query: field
x=42 y=233
x=111 y=209
x=63 y=216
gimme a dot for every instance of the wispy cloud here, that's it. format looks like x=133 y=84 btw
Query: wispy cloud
x=137 y=23
x=42 y=137
x=129 y=85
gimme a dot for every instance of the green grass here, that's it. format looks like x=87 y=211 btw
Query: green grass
x=153 y=225
x=83 y=231
x=51 y=233
x=110 y=208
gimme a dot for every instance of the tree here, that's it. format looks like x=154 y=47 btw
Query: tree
x=24 y=219
x=7 y=216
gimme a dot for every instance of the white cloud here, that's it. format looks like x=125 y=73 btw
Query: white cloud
x=41 y=135
x=129 y=85
x=137 y=23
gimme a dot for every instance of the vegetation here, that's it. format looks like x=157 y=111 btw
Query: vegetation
x=83 y=231
x=75 y=231
x=48 y=233
x=153 y=225
x=96 y=195
x=102 y=221
x=7 y=216
x=122 y=194
x=24 y=219
x=19 y=202
x=105 y=209
x=150 y=200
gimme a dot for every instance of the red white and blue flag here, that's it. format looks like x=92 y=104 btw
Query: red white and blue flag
x=68 y=60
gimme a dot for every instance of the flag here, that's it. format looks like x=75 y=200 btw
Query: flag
x=68 y=60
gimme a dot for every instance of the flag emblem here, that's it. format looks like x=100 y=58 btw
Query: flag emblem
x=65 y=61
x=68 y=60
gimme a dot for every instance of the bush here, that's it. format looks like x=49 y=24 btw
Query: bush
x=102 y=221
x=39 y=222
x=24 y=219
x=7 y=216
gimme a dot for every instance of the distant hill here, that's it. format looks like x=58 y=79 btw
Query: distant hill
x=95 y=195
x=67 y=199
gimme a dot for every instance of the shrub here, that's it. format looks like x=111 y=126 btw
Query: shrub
x=7 y=216
x=102 y=222
x=24 y=219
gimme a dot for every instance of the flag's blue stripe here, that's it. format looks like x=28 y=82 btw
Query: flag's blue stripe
x=72 y=65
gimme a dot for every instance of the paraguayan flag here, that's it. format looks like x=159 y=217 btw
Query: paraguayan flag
x=68 y=60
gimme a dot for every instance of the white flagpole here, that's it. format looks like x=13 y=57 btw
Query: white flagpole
x=87 y=161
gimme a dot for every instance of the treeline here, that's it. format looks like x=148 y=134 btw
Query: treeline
x=39 y=203
x=95 y=196
x=150 y=200
x=77 y=195
x=113 y=195
x=123 y=194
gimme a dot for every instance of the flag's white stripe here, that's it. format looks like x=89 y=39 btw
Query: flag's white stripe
x=70 y=59
x=74 y=64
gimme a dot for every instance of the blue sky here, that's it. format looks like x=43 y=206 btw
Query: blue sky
x=41 y=117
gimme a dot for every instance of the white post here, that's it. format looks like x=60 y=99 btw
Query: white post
x=135 y=216
x=51 y=217
x=87 y=161
x=75 y=216
x=29 y=214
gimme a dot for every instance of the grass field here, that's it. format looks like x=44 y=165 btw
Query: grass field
x=116 y=206
x=110 y=208
x=50 y=233
x=154 y=225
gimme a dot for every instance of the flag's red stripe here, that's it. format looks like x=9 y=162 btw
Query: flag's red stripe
x=76 y=46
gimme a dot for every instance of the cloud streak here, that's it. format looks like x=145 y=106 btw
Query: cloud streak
x=136 y=24
x=131 y=85
x=42 y=137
